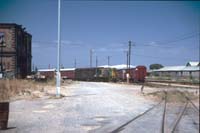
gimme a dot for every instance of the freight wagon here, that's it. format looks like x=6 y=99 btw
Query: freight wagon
x=67 y=73
x=137 y=74
x=47 y=73
x=96 y=74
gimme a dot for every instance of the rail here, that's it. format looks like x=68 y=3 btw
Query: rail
x=177 y=121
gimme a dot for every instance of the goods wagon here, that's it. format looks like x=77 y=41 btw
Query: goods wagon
x=85 y=74
x=107 y=74
x=95 y=74
x=47 y=73
x=137 y=74
x=67 y=73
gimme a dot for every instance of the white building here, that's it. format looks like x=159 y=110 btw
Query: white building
x=190 y=70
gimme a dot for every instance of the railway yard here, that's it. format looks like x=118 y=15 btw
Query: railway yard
x=99 y=66
x=108 y=108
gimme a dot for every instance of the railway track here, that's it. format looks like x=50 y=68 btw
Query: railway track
x=171 y=83
x=163 y=104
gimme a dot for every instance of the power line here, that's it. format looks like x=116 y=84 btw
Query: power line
x=53 y=44
x=156 y=57
x=162 y=44
x=180 y=39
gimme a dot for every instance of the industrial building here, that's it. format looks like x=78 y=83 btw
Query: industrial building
x=15 y=51
x=190 y=70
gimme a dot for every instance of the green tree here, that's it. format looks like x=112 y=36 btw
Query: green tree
x=155 y=66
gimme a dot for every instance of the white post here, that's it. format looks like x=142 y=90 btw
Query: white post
x=58 y=55
x=127 y=78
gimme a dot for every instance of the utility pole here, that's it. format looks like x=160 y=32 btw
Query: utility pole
x=33 y=67
x=128 y=75
x=96 y=66
x=108 y=60
x=129 y=57
x=91 y=57
x=75 y=63
x=58 y=55
x=96 y=61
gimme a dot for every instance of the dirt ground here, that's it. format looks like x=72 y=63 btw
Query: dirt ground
x=98 y=107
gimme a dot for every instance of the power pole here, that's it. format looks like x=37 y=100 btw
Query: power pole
x=96 y=66
x=108 y=60
x=96 y=61
x=128 y=74
x=90 y=57
x=75 y=63
x=129 y=57
x=58 y=55
x=33 y=67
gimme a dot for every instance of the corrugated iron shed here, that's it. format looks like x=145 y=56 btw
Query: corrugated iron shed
x=178 y=68
x=192 y=63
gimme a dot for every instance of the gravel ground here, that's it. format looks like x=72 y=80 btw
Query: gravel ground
x=87 y=107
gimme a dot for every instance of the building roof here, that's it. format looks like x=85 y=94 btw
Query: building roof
x=46 y=70
x=193 y=63
x=7 y=25
x=122 y=66
x=54 y=69
x=192 y=68
x=177 y=68
x=67 y=69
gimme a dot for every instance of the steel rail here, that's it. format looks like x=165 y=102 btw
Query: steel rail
x=164 y=114
x=188 y=99
x=138 y=116
x=179 y=118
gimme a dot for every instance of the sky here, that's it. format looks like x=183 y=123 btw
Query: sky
x=164 y=32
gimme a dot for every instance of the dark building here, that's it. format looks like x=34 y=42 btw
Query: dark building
x=15 y=51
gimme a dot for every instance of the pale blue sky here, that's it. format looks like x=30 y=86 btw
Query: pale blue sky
x=163 y=32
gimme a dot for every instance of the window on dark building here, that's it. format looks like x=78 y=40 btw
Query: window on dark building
x=2 y=39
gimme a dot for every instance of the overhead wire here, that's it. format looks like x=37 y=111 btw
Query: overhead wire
x=163 y=44
x=118 y=48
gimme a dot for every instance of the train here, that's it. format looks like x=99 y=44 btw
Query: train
x=103 y=74
x=96 y=74
x=136 y=74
